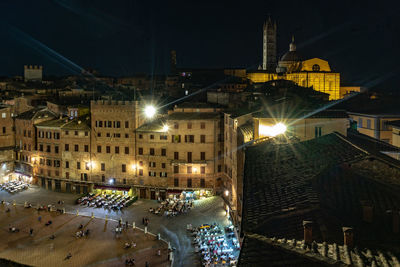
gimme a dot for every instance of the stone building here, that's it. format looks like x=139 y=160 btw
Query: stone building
x=7 y=139
x=113 y=142
x=181 y=152
x=26 y=139
x=33 y=73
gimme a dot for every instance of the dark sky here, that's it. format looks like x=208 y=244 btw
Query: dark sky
x=120 y=37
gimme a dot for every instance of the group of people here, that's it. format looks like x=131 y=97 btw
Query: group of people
x=112 y=201
x=130 y=245
x=172 y=207
x=145 y=221
x=14 y=186
x=82 y=233
x=215 y=246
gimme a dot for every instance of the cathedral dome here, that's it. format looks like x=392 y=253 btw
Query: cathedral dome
x=292 y=55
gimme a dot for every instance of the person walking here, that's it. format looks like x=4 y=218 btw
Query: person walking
x=31 y=232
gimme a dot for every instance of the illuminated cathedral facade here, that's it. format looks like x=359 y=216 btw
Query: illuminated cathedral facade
x=314 y=72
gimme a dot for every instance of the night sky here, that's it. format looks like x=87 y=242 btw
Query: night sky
x=360 y=39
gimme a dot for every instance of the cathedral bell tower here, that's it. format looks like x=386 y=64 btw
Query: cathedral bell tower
x=269 y=46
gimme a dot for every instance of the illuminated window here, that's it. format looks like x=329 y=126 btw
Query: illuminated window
x=316 y=67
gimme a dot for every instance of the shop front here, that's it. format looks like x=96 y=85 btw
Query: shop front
x=112 y=190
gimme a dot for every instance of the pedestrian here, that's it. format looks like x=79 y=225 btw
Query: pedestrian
x=31 y=232
x=158 y=252
x=40 y=218
x=69 y=255
x=146 y=264
x=143 y=220
x=126 y=224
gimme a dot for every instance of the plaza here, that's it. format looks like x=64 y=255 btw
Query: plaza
x=173 y=229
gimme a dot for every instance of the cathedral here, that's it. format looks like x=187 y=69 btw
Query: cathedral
x=314 y=72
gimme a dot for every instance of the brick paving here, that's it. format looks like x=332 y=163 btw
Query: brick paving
x=100 y=248
x=171 y=229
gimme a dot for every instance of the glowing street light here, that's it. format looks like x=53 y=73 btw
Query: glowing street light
x=194 y=169
x=226 y=193
x=111 y=181
x=165 y=128
x=272 y=131
x=150 y=111
x=133 y=166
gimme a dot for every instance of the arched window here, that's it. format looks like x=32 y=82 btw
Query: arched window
x=316 y=67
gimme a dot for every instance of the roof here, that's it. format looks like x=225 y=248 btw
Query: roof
x=323 y=180
x=53 y=123
x=153 y=126
x=290 y=113
x=395 y=124
x=291 y=56
x=257 y=249
x=80 y=123
x=36 y=112
x=194 y=116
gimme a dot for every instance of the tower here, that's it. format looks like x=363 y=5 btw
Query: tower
x=269 y=46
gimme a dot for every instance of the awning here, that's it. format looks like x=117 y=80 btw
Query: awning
x=174 y=191
x=104 y=187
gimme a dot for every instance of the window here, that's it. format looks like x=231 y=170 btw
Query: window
x=368 y=124
x=176 y=155
x=108 y=134
x=163 y=174
x=202 y=183
x=360 y=122
x=48 y=148
x=103 y=167
x=385 y=126
x=189 y=138
x=318 y=131
x=86 y=148
x=189 y=125
x=103 y=178
x=176 y=125
x=98 y=149
x=152 y=164
x=29 y=133
x=123 y=167
x=176 y=182
x=202 y=125
x=40 y=147
x=189 y=182
x=117 y=135
x=24 y=132
x=176 y=169
x=3 y=115
x=126 y=150
x=118 y=124
x=126 y=135
x=140 y=136
x=202 y=155
x=76 y=148
x=126 y=124
x=57 y=136
x=189 y=157
x=57 y=163
x=117 y=150
x=219 y=168
x=124 y=181
x=78 y=165
x=152 y=136
x=76 y=133
x=316 y=67
x=67 y=175
x=163 y=152
x=67 y=164
x=140 y=150
x=175 y=138
x=152 y=151
x=163 y=165
x=108 y=149
x=56 y=149
x=86 y=133
x=163 y=137
x=202 y=138
x=202 y=170
x=140 y=163
x=98 y=134
x=109 y=124
x=189 y=169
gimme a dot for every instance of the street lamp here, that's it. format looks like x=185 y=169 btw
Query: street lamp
x=226 y=193
x=150 y=111
x=165 y=128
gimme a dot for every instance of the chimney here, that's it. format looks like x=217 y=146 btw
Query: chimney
x=348 y=237
x=308 y=239
x=368 y=211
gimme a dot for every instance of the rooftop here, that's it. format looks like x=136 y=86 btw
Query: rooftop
x=194 y=116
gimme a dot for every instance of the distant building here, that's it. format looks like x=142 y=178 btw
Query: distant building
x=33 y=73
